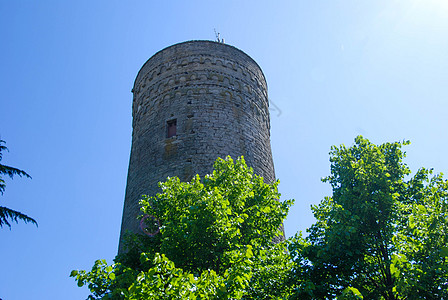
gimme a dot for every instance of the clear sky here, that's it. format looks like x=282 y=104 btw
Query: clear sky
x=335 y=69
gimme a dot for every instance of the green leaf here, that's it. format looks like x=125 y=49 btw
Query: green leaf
x=444 y=251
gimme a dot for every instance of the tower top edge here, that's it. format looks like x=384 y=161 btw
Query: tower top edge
x=197 y=42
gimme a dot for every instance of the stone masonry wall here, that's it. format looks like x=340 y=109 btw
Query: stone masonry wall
x=218 y=96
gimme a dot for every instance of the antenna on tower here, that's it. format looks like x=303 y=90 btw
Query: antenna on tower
x=218 y=39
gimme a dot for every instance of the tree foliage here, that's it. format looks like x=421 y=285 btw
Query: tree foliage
x=7 y=214
x=382 y=235
x=209 y=239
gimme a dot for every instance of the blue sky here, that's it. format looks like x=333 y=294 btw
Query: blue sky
x=335 y=69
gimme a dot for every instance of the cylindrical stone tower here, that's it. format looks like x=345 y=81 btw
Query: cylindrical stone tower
x=194 y=102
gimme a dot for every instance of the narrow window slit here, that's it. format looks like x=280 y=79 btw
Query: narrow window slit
x=171 y=128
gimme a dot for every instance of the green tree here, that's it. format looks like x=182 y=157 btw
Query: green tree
x=382 y=235
x=7 y=214
x=207 y=239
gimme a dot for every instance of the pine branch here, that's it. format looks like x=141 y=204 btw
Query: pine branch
x=2 y=148
x=11 y=171
x=6 y=213
x=2 y=185
x=7 y=170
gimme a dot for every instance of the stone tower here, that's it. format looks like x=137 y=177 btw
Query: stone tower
x=194 y=102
